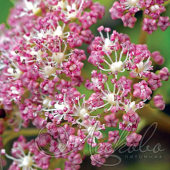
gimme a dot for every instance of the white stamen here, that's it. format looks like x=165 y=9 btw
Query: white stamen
x=133 y=3
x=30 y=6
x=59 y=32
x=27 y=161
x=14 y=90
x=73 y=9
x=140 y=67
x=117 y=66
x=111 y=99
x=59 y=106
x=15 y=73
x=47 y=102
x=62 y=4
x=46 y=87
x=91 y=130
x=83 y=113
x=25 y=111
x=132 y=106
x=154 y=8
x=107 y=44
x=59 y=57
x=48 y=70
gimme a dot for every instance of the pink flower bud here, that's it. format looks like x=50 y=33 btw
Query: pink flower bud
x=111 y=120
x=149 y=25
x=164 y=74
x=113 y=136
x=142 y=90
x=159 y=103
x=157 y=58
x=128 y=20
x=163 y=23
x=133 y=139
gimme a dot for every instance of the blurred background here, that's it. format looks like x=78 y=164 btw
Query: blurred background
x=158 y=41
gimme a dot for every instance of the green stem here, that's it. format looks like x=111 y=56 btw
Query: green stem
x=25 y=132
x=166 y=3
x=141 y=125
x=143 y=37
x=150 y=115
x=143 y=34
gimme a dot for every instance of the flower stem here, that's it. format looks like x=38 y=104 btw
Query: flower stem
x=154 y=115
x=143 y=37
x=25 y=132
x=166 y=3
x=143 y=34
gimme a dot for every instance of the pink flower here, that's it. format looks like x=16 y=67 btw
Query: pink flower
x=159 y=103
x=126 y=9
x=97 y=160
x=164 y=74
x=142 y=90
x=149 y=25
x=164 y=23
x=133 y=139
x=44 y=83
x=111 y=120
x=154 y=81
x=117 y=10
x=130 y=121
x=128 y=20
x=157 y=57
x=105 y=149
x=113 y=136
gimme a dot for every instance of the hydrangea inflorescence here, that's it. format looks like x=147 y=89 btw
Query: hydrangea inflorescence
x=41 y=68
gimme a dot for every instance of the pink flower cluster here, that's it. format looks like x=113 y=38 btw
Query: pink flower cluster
x=41 y=72
x=126 y=10
x=114 y=55
x=26 y=155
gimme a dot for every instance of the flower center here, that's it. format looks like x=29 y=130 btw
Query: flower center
x=62 y=4
x=111 y=99
x=32 y=7
x=154 y=8
x=130 y=106
x=83 y=113
x=140 y=67
x=61 y=146
x=133 y=3
x=107 y=44
x=48 y=70
x=91 y=130
x=62 y=107
x=27 y=161
x=59 y=57
x=14 y=90
x=117 y=66
x=59 y=107
x=72 y=11
x=59 y=32
x=15 y=73
x=47 y=102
